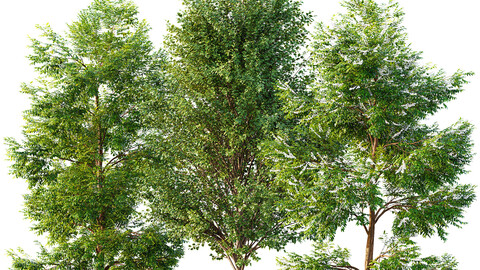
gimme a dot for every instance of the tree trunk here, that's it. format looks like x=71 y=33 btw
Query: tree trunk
x=233 y=262
x=370 y=240
x=99 y=158
x=99 y=171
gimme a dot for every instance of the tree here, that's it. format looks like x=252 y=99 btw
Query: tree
x=82 y=153
x=362 y=148
x=228 y=58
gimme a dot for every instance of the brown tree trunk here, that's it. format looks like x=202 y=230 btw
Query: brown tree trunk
x=370 y=240
x=99 y=158
x=99 y=168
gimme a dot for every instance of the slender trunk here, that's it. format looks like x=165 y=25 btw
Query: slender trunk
x=234 y=258
x=372 y=217
x=99 y=158
x=99 y=168
x=370 y=240
x=233 y=262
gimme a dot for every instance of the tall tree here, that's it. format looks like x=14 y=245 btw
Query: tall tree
x=228 y=58
x=82 y=153
x=363 y=148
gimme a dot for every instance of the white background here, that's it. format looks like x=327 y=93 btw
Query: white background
x=446 y=31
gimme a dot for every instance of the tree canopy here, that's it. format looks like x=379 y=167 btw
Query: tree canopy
x=232 y=138
x=82 y=153
x=227 y=60
x=363 y=147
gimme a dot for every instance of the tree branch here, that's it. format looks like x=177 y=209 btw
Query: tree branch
x=397 y=143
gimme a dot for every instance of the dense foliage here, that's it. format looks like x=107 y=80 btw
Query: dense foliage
x=362 y=147
x=227 y=60
x=236 y=141
x=82 y=153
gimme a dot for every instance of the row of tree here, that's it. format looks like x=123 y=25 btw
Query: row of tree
x=231 y=137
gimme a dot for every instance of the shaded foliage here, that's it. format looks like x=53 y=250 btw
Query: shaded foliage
x=227 y=60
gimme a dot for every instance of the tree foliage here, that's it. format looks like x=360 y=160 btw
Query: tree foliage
x=398 y=253
x=323 y=258
x=82 y=153
x=225 y=155
x=403 y=253
x=227 y=59
x=362 y=147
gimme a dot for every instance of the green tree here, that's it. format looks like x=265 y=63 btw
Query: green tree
x=403 y=253
x=362 y=147
x=228 y=58
x=323 y=258
x=82 y=152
